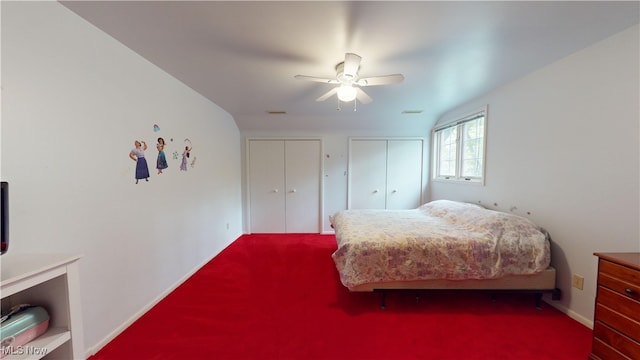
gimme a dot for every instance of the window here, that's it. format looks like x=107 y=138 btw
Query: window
x=458 y=149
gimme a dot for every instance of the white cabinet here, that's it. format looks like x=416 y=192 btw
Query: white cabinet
x=385 y=173
x=284 y=178
x=50 y=281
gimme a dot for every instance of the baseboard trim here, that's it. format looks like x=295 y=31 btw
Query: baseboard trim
x=570 y=313
x=94 y=349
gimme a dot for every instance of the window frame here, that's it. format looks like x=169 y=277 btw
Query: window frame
x=459 y=123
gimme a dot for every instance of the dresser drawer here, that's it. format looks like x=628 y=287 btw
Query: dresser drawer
x=616 y=340
x=618 y=302
x=620 y=279
x=622 y=287
x=618 y=321
x=603 y=351
x=619 y=271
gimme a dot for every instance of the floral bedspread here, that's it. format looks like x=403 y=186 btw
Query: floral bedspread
x=440 y=240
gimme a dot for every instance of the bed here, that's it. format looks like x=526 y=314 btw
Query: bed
x=442 y=245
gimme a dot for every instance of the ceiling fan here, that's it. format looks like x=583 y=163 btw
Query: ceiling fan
x=349 y=83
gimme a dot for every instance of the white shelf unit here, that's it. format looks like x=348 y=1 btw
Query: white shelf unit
x=50 y=281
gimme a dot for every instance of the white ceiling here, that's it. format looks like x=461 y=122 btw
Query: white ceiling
x=244 y=55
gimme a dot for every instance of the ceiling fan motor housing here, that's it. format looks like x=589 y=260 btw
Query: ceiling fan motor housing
x=345 y=78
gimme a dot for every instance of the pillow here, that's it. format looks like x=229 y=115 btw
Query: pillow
x=477 y=218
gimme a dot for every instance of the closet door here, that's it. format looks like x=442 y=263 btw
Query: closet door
x=385 y=173
x=367 y=174
x=267 y=186
x=302 y=180
x=404 y=174
x=284 y=182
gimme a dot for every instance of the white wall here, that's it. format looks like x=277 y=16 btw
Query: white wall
x=73 y=102
x=563 y=144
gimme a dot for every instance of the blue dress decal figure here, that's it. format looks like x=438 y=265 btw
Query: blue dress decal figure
x=185 y=156
x=137 y=155
x=161 y=163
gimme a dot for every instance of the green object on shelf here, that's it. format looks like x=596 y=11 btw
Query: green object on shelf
x=21 y=325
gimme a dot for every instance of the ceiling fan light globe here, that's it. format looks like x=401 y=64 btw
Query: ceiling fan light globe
x=347 y=93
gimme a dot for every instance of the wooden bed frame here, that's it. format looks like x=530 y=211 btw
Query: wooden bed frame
x=543 y=282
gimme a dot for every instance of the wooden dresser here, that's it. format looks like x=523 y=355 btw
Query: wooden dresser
x=616 y=324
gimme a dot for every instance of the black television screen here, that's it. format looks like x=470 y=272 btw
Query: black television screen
x=4 y=216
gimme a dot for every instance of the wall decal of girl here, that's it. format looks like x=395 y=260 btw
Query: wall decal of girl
x=137 y=155
x=161 y=163
x=185 y=156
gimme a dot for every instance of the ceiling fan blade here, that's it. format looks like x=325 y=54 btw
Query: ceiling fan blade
x=362 y=96
x=381 y=80
x=351 y=65
x=316 y=79
x=328 y=94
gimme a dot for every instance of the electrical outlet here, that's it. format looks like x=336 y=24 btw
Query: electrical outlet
x=227 y=226
x=578 y=281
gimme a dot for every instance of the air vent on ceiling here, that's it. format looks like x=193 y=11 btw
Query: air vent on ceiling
x=276 y=112
x=412 y=111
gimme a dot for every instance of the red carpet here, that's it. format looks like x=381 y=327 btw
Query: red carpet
x=279 y=297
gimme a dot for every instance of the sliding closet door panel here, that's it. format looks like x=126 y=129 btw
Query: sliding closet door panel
x=404 y=174
x=267 y=186
x=302 y=169
x=368 y=173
